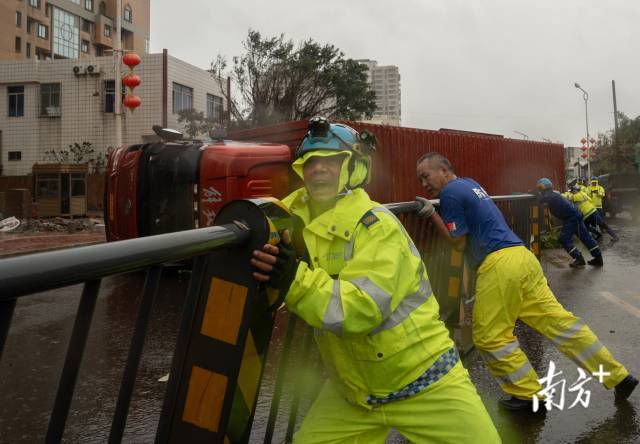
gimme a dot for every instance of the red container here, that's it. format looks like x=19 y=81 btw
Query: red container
x=500 y=165
x=165 y=187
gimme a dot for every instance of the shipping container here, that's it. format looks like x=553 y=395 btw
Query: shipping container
x=501 y=165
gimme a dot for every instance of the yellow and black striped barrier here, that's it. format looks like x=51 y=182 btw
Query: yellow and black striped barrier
x=221 y=351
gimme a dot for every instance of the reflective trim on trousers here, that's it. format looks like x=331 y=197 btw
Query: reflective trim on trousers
x=587 y=354
x=406 y=307
x=569 y=333
x=334 y=315
x=515 y=376
x=501 y=352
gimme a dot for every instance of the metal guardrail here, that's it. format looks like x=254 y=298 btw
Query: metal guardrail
x=24 y=275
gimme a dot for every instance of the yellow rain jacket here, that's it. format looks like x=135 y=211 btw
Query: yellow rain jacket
x=583 y=202
x=597 y=193
x=367 y=294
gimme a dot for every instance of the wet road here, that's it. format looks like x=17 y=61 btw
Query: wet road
x=608 y=299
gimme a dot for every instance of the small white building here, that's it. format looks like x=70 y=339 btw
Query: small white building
x=49 y=105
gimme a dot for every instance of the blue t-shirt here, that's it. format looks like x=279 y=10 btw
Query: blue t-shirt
x=466 y=208
x=559 y=206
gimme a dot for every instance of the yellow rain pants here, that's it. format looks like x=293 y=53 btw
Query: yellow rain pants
x=448 y=411
x=510 y=285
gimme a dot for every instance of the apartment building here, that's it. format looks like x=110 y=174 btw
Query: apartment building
x=385 y=81
x=49 y=105
x=74 y=29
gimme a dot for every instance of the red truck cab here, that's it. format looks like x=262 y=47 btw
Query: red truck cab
x=164 y=187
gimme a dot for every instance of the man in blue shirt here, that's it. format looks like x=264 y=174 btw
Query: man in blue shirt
x=572 y=223
x=510 y=285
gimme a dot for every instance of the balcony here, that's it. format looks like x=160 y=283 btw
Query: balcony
x=101 y=39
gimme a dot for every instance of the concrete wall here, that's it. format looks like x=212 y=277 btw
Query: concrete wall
x=82 y=100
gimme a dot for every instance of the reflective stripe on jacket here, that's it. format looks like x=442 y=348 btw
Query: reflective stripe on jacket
x=583 y=202
x=367 y=293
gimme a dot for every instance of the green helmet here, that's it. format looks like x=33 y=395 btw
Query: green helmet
x=324 y=139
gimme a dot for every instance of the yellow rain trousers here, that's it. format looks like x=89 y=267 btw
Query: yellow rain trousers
x=510 y=285
x=448 y=411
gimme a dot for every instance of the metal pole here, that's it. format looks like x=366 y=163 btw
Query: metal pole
x=586 y=116
x=615 y=123
x=117 y=56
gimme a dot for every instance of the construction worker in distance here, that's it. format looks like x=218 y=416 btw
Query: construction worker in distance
x=572 y=223
x=597 y=193
x=590 y=214
x=510 y=285
x=582 y=183
x=364 y=288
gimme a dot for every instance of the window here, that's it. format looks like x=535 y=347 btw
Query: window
x=77 y=2
x=110 y=95
x=29 y=23
x=85 y=46
x=15 y=155
x=103 y=8
x=128 y=14
x=107 y=31
x=88 y=5
x=182 y=97
x=18 y=19
x=214 y=108
x=86 y=26
x=77 y=185
x=34 y=3
x=18 y=44
x=28 y=51
x=47 y=186
x=50 y=99
x=65 y=34
x=42 y=31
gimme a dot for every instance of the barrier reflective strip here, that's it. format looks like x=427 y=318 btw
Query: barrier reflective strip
x=205 y=396
x=224 y=310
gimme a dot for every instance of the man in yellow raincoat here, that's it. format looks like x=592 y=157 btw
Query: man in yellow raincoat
x=364 y=288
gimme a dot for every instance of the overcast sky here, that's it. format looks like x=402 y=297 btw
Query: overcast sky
x=495 y=66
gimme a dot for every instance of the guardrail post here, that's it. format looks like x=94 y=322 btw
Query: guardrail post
x=216 y=373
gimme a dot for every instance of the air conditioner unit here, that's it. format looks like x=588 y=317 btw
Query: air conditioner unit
x=53 y=111
x=92 y=70
x=79 y=70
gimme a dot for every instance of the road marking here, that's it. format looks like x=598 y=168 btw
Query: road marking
x=623 y=304
x=632 y=293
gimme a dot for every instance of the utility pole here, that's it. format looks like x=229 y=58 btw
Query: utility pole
x=616 y=148
x=117 y=56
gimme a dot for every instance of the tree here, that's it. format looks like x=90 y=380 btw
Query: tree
x=619 y=155
x=196 y=123
x=78 y=153
x=277 y=81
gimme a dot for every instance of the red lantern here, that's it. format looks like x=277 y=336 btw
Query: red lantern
x=592 y=140
x=583 y=148
x=131 y=59
x=131 y=80
x=583 y=155
x=132 y=102
x=582 y=141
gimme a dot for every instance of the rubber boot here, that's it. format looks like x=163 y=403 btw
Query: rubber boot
x=578 y=262
x=596 y=261
x=625 y=387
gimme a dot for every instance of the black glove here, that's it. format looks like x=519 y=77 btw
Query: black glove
x=285 y=268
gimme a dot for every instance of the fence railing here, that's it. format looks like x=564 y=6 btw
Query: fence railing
x=223 y=311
